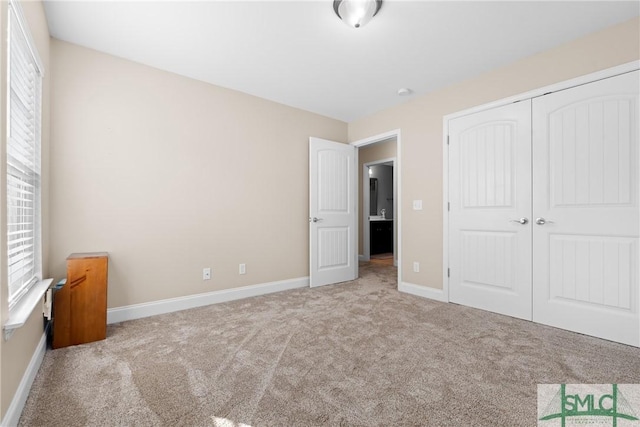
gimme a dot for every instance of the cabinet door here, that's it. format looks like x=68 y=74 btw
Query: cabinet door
x=388 y=237
x=87 y=282
x=489 y=192
x=375 y=238
x=586 y=204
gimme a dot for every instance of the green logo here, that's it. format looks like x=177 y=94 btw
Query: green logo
x=588 y=403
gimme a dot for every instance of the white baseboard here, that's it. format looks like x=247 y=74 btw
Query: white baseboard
x=138 y=311
x=395 y=262
x=12 y=416
x=423 y=291
x=363 y=258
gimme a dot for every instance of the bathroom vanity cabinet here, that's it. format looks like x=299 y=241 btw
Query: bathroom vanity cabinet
x=381 y=236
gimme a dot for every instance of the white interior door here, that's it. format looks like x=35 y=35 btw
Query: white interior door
x=586 y=194
x=490 y=207
x=332 y=212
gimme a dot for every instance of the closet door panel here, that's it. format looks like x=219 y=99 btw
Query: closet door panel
x=489 y=192
x=585 y=187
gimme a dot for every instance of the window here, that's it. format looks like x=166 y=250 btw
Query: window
x=24 y=86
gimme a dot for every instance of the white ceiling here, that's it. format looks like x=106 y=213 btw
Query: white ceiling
x=300 y=54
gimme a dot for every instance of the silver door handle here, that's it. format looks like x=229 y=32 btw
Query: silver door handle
x=520 y=221
x=314 y=219
x=542 y=221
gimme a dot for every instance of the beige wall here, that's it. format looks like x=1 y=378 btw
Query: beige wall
x=366 y=154
x=16 y=353
x=420 y=121
x=170 y=175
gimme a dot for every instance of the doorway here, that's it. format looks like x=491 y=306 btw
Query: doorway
x=380 y=149
x=334 y=249
x=378 y=208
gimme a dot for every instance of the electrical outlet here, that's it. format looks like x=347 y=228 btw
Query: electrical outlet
x=206 y=274
x=242 y=269
x=416 y=267
x=417 y=205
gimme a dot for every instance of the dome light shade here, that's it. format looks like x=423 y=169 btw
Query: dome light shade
x=356 y=13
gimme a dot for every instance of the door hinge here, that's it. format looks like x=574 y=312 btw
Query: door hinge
x=448 y=206
x=447 y=139
x=448 y=272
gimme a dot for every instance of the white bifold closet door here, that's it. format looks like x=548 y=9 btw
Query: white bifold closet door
x=585 y=209
x=544 y=219
x=490 y=210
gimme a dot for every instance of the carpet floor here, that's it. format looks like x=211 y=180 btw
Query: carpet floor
x=358 y=354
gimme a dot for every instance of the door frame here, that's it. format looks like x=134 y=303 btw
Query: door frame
x=366 y=237
x=578 y=81
x=397 y=169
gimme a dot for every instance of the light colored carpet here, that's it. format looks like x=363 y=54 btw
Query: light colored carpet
x=357 y=354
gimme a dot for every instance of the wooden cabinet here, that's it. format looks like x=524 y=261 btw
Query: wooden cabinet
x=381 y=237
x=80 y=306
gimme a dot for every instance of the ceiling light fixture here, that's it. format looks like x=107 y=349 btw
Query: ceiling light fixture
x=404 y=91
x=356 y=13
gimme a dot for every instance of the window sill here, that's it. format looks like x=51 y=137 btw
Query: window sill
x=19 y=313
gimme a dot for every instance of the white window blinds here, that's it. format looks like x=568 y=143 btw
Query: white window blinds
x=23 y=160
